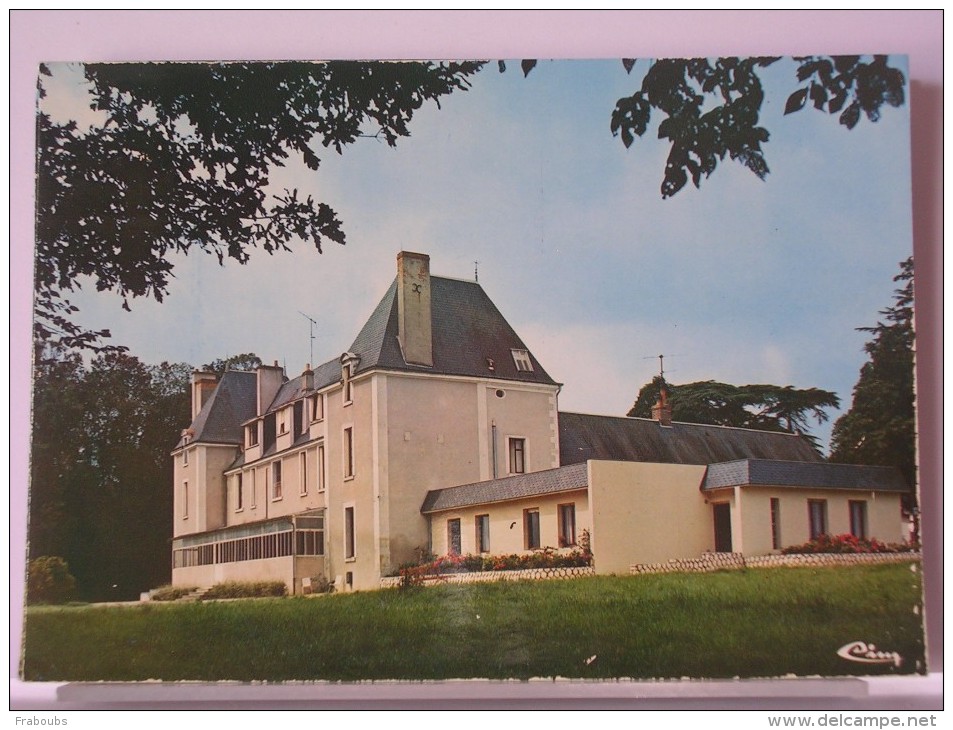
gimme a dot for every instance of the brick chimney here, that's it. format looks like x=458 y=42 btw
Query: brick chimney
x=203 y=385
x=413 y=308
x=308 y=375
x=662 y=410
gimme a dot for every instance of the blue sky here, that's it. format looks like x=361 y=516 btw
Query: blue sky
x=741 y=281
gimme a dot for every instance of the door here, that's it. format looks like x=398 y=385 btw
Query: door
x=453 y=537
x=722 y=527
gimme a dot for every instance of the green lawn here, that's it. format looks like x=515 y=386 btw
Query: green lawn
x=739 y=623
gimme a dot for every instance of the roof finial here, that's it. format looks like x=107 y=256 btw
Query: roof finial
x=476 y=271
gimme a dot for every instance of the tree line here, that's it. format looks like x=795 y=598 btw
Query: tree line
x=101 y=470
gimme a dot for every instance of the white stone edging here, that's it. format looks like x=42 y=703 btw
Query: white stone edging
x=736 y=561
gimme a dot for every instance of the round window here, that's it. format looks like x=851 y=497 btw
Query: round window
x=500 y=393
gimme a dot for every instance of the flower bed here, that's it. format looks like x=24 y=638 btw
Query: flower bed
x=545 y=559
x=846 y=543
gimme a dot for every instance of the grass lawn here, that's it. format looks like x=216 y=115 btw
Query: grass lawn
x=753 y=623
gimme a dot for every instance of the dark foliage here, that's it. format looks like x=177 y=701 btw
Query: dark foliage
x=49 y=580
x=711 y=107
x=181 y=160
x=880 y=427
x=247 y=361
x=100 y=469
x=763 y=407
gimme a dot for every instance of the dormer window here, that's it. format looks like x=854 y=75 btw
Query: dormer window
x=346 y=379
x=523 y=363
x=298 y=419
x=349 y=363
x=317 y=407
x=251 y=434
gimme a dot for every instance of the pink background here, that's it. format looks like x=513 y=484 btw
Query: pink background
x=37 y=36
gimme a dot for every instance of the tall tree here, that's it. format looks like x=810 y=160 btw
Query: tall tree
x=880 y=427
x=101 y=471
x=245 y=361
x=763 y=407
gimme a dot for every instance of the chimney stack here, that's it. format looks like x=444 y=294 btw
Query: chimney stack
x=413 y=308
x=662 y=410
x=203 y=385
x=269 y=379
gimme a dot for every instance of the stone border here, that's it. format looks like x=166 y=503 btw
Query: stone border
x=736 y=561
x=489 y=576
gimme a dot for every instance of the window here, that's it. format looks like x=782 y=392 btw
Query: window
x=251 y=479
x=300 y=425
x=303 y=467
x=453 y=537
x=775 y=523
x=349 y=543
x=239 y=497
x=185 y=500
x=523 y=363
x=185 y=457
x=310 y=536
x=567 y=525
x=268 y=427
x=346 y=380
x=317 y=407
x=251 y=434
x=531 y=529
x=483 y=533
x=319 y=469
x=282 y=421
x=276 y=480
x=517 y=456
x=858 y=518
x=817 y=517
x=348 y=453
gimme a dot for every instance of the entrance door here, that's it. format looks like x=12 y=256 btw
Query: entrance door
x=722 y=527
x=453 y=537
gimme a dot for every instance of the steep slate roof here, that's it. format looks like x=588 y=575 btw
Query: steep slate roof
x=232 y=402
x=289 y=391
x=327 y=373
x=563 y=479
x=745 y=472
x=583 y=437
x=467 y=329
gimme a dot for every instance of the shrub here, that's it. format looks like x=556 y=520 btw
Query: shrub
x=846 y=543
x=247 y=589
x=171 y=593
x=320 y=584
x=49 y=580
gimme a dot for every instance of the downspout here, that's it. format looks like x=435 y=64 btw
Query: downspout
x=294 y=555
x=493 y=440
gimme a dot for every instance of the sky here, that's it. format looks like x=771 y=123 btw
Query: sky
x=740 y=281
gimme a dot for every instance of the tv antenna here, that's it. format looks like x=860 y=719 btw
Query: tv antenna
x=311 y=334
x=661 y=363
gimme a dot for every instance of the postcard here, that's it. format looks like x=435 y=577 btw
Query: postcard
x=474 y=369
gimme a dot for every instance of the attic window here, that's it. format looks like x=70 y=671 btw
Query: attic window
x=523 y=363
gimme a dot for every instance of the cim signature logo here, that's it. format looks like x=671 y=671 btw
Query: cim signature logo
x=861 y=651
